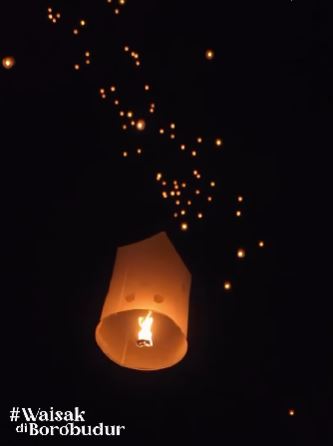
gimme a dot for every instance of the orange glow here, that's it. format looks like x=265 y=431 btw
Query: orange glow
x=218 y=142
x=241 y=253
x=210 y=54
x=145 y=335
x=291 y=412
x=227 y=286
x=184 y=226
x=261 y=244
x=141 y=125
x=8 y=62
x=151 y=310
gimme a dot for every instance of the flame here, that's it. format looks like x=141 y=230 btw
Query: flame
x=145 y=335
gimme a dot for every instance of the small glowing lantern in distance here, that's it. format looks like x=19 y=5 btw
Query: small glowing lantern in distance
x=209 y=54
x=8 y=62
x=144 y=320
x=141 y=125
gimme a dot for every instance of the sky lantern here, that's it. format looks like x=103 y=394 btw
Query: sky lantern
x=8 y=62
x=141 y=125
x=209 y=54
x=144 y=320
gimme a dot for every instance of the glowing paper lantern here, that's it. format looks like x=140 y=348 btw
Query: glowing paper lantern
x=141 y=125
x=8 y=62
x=145 y=315
x=209 y=54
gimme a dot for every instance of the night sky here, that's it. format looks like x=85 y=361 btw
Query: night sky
x=69 y=198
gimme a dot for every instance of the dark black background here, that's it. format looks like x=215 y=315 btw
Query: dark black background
x=68 y=200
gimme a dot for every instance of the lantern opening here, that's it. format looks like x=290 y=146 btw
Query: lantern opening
x=170 y=343
x=145 y=335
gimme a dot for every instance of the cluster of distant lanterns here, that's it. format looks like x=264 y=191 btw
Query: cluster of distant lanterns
x=144 y=320
x=150 y=288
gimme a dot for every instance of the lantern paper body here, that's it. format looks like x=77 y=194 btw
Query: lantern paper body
x=147 y=276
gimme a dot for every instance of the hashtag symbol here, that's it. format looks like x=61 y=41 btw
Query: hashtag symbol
x=14 y=414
